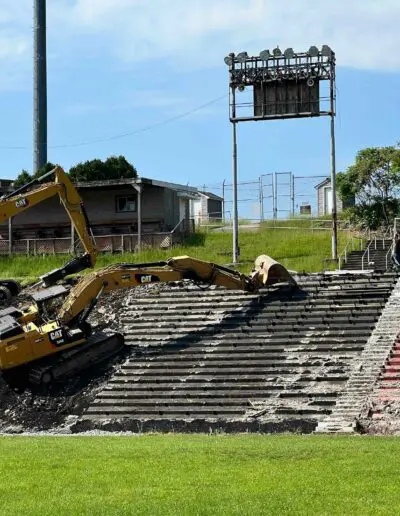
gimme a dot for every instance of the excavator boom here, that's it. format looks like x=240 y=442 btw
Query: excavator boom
x=54 y=349
x=126 y=275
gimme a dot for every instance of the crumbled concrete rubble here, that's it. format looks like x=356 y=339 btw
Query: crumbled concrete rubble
x=383 y=418
x=57 y=410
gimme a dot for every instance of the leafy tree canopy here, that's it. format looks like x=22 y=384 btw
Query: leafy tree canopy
x=373 y=180
x=114 y=167
x=24 y=177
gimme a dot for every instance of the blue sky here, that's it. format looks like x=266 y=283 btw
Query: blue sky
x=120 y=66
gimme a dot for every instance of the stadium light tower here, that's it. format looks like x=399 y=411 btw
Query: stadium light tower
x=39 y=86
x=280 y=85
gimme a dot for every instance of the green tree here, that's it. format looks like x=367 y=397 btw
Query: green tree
x=373 y=180
x=43 y=170
x=24 y=177
x=114 y=167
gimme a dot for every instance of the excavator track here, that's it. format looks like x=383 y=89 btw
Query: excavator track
x=98 y=347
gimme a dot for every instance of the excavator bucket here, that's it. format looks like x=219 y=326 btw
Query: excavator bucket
x=269 y=272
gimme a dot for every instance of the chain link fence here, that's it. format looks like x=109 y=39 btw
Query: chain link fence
x=104 y=243
x=276 y=195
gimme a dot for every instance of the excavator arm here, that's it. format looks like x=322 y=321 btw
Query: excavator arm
x=83 y=296
x=54 y=350
x=30 y=194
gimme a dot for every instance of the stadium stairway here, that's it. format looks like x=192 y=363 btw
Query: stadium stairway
x=356 y=399
x=377 y=259
x=385 y=400
x=214 y=359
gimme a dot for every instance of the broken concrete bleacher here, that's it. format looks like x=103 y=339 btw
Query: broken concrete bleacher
x=219 y=359
x=382 y=415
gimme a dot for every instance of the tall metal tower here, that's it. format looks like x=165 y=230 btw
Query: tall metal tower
x=39 y=86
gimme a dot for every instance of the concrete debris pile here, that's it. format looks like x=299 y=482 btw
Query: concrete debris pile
x=383 y=418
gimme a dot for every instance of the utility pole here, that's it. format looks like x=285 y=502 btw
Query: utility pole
x=39 y=86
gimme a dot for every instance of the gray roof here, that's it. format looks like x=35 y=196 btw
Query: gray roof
x=212 y=196
x=136 y=181
x=323 y=183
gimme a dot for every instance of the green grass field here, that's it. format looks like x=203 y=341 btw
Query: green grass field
x=300 y=250
x=199 y=475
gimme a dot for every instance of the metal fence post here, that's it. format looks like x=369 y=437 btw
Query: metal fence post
x=10 y=242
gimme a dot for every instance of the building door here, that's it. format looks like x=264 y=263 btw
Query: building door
x=328 y=200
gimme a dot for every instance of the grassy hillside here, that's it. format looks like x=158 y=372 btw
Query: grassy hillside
x=198 y=474
x=299 y=249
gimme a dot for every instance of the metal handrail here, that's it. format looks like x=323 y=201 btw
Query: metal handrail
x=393 y=231
x=366 y=253
x=390 y=251
x=374 y=243
x=350 y=242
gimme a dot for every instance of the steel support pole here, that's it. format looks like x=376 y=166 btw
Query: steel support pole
x=139 y=191
x=223 y=201
x=262 y=197
x=333 y=170
x=292 y=192
x=235 y=221
x=275 y=194
x=235 y=226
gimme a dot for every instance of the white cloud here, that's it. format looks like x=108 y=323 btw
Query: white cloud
x=15 y=44
x=364 y=33
x=198 y=33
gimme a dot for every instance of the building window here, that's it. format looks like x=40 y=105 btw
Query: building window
x=125 y=203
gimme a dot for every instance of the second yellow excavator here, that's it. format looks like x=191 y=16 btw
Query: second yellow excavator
x=52 y=349
x=36 y=192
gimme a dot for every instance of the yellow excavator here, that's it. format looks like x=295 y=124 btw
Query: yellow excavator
x=45 y=349
x=36 y=192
